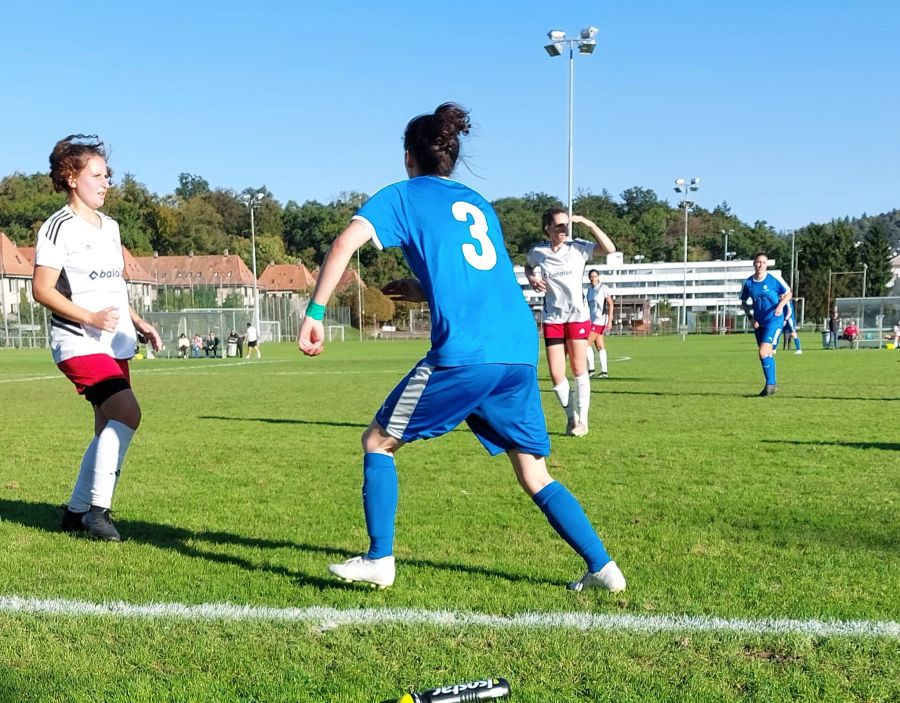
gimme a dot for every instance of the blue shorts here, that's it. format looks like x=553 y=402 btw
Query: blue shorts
x=500 y=403
x=770 y=333
x=789 y=326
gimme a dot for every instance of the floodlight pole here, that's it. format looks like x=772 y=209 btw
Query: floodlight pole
x=3 y=299
x=726 y=232
x=252 y=200
x=586 y=44
x=682 y=186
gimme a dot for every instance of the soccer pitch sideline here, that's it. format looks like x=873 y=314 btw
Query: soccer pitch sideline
x=759 y=536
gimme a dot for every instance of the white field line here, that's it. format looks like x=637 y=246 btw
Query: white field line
x=329 y=618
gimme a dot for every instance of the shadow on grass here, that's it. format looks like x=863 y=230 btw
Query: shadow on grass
x=45 y=516
x=283 y=421
x=886 y=446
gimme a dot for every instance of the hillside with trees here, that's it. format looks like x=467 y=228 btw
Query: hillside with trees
x=202 y=219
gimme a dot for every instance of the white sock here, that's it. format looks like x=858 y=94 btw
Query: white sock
x=583 y=386
x=112 y=442
x=603 y=368
x=562 y=395
x=590 y=358
x=80 y=501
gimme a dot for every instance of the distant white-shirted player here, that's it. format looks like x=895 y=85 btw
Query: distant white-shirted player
x=565 y=315
x=602 y=307
x=78 y=276
x=253 y=341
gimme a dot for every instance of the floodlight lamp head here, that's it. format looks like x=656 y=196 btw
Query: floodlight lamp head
x=679 y=181
x=695 y=182
x=589 y=32
x=556 y=35
x=587 y=46
x=554 y=49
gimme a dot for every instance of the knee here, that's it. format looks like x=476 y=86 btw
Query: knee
x=376 y=440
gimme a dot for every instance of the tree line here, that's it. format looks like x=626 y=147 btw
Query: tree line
x=204 y=220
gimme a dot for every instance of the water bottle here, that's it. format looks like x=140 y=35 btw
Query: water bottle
x=486 y=690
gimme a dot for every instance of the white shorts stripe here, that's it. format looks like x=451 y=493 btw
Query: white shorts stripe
x=409 y=399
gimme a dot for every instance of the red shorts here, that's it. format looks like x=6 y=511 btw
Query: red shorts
x=86 y=371
x=598 y=329
x=567 y=330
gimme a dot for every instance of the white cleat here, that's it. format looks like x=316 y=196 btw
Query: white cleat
x=799 y=351
x=378 y=573
x=609 y=578
x=580 y=429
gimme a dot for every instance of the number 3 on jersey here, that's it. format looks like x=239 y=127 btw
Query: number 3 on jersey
x=487 y=259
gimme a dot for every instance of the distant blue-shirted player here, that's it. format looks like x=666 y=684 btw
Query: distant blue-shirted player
x=764 y=297
x=482 y=365
x=790 y=328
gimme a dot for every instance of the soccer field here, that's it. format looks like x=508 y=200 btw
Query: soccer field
x=760 y=536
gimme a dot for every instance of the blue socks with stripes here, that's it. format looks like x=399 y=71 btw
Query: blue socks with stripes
x=380 y=503
x=566 y=516
x=768 y=367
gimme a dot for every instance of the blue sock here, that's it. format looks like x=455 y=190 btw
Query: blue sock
x=797 y=343
x=768 y=367
x=380 y=503
x=567 y=517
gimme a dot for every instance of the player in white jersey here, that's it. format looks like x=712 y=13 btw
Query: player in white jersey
x=602 y=307
x=78 y=276
x=565 y=315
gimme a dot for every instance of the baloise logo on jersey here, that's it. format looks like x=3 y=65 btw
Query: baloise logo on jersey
x=112 y=273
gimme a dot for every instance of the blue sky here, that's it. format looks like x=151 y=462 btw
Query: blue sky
x=787 y=110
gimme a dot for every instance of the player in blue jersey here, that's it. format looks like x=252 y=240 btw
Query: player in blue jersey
x=790 y=328
x=482 y=365
x=764 y=297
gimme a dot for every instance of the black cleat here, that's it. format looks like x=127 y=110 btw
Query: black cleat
x=99 y=525
x=71 y=521
x=768 y=391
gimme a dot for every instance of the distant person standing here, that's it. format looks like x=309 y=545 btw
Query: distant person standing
x=764 y=297
x=834 y=330
x=565 y=315
x=897 y=335
x=790 y=329
x=78 y=277
x=601 y=307
x=253 y=341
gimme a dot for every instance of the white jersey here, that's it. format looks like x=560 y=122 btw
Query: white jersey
x=563 y=272
x=91 y=267
x=252 y=335
x=596 y=297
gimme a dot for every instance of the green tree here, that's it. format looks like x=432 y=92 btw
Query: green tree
x=875 y=253
x=190 y=186
x=25 y=202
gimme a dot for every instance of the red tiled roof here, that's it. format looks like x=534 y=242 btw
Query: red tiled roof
x=134 y=272
x=209 y=270
x=286 y=277
x=12 y=260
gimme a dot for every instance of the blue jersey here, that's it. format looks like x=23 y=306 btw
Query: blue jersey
x=452 y=241
x=766 y=295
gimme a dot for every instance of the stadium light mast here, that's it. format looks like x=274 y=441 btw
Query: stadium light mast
x=586 y=43
x=253 y=199
x=727 y=253
x=682 y=186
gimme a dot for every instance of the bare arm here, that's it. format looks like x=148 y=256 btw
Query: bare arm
x=43 y=286
x=311 y=338
x=146 y=329
x=536 y=282
x=606 y=244
x=611 y=307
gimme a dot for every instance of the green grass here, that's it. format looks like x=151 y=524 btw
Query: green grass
x=243 y=484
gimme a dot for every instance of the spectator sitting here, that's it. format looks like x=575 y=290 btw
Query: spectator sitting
x=184 y=345
x=211 y=345
x=196 y=346
x=851 y=333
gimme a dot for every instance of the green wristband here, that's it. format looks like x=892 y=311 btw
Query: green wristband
x=315 y=311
